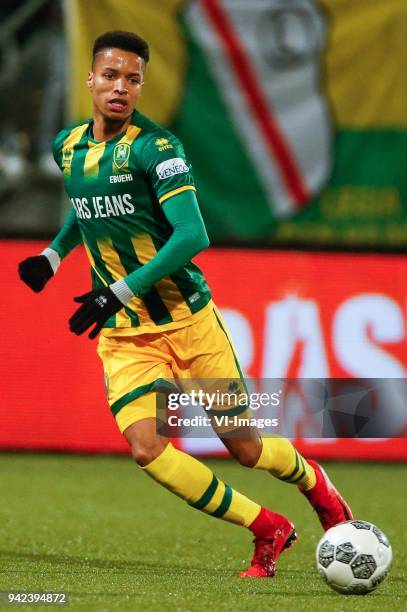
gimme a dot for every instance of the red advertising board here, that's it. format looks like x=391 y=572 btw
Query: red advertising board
x=291 y=315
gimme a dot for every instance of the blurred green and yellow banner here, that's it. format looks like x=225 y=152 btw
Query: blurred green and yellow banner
x=293 y=112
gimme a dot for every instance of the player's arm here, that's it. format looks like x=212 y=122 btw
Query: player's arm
x=170 y=175
x=38 y=270
x=189 y=238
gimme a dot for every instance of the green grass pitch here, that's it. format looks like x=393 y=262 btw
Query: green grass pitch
x=100 y=529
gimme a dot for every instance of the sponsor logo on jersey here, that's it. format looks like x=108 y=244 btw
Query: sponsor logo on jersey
x=163 y=144
x=171 y=167
x=121 y=178
x=121 y=154
x=102 y=206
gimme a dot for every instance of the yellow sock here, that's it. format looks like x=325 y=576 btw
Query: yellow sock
x=194 y=482
x=279 y=457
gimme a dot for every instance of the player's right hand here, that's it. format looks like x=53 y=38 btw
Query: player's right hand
x=35 y=272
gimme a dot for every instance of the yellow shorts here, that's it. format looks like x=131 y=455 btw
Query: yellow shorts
x=138 y=367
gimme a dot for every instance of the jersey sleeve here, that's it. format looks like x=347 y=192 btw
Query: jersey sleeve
x=188 y=238
x=57 y=147
x=68 y=237
x=163 y=160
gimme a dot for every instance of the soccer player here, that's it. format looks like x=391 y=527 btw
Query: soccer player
x=134 y=209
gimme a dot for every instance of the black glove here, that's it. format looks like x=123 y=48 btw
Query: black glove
x=97 y=307
x=35 y=272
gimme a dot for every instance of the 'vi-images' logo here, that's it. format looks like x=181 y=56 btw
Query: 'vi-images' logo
x=121 y=154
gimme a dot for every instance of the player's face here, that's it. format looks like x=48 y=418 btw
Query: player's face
x=115 y=82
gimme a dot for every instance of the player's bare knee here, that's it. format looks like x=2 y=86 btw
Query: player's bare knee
x=246 y=449
x=247 y=456
x=146 y=451
x=144 y=443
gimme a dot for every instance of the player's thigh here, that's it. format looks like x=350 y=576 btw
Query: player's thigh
x=212 y=353
x=213 y=365
x=135 y=372
x=214 y=368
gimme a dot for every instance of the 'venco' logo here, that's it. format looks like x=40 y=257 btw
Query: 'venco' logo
x=121 y=154
x=170 y=167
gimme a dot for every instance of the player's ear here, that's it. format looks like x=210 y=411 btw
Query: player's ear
x=89 y=81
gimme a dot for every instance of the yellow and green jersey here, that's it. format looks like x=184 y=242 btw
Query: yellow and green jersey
x=116 y=189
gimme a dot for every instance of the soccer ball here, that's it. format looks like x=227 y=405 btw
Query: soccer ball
x=354 y=557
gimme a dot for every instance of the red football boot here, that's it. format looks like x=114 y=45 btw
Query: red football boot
x=327 y=502
x=273 y=534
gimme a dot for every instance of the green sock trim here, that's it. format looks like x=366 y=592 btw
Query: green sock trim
x=302 y=473
x=225 y=504
x=293 y=473
x=207 y=496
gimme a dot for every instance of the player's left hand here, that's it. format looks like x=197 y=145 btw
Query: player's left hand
x=97 y=307
x=35 y=272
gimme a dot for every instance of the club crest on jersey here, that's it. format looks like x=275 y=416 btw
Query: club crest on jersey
x=67 y=155
x=121 y=154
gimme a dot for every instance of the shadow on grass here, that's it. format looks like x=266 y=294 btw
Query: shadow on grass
x=138 y=565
